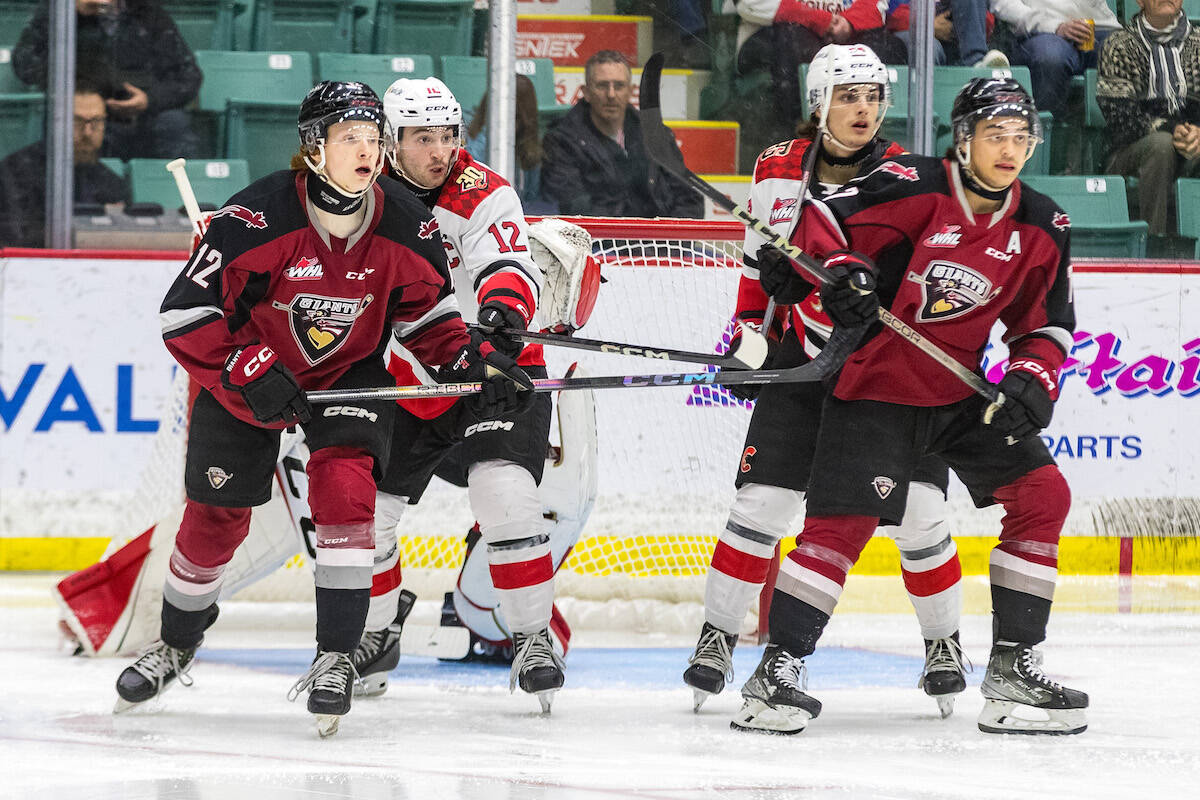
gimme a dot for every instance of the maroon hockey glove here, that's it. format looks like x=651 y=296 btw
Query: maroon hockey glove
x=507 y=391
x=494 y=315
x=779 y=278
x=849 y=298
x=1029 y=389
x=268 y=387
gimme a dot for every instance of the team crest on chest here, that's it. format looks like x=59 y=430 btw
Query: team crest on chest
x=320 y=325
x=784 y=208
x=951 y=290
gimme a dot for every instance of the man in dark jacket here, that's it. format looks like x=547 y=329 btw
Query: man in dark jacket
x=595 y=161
x=23 y=175
x=135 y=52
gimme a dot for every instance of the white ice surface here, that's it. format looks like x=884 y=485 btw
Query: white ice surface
x=443 y=731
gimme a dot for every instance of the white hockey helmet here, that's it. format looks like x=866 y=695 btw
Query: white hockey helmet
x=420 y=103
x=837 y=64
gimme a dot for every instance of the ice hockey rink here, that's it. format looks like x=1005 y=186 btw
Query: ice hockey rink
x=622 y=727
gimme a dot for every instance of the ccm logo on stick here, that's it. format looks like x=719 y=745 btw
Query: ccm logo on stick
x=350 y=411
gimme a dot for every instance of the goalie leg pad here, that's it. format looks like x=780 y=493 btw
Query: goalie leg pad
x=758 y=519
x=929 y=561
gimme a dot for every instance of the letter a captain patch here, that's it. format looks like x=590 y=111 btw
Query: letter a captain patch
x=883 y=486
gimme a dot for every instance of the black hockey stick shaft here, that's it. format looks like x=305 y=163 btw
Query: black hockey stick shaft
x=620 y=348
x=660 y=145
x=841 y=344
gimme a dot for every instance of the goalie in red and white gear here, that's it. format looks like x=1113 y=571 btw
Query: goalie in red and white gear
x=849 y=94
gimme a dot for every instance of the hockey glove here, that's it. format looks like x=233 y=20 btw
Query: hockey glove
x=268 y=387
x=849 y=298
x=1029 y=389
x=494 y=315
x=779 y=278
x=506 y=388
x=749 y=391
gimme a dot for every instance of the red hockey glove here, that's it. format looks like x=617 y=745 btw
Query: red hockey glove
x=1029 y=390
x=268 y=387
x=849 y=298
x=494 y=315
x=779 y=278
x=506 y=388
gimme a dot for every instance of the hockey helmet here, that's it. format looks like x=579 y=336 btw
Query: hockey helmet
x=991 y=98
x=838 y=64
x=331 y=102
x=412 y=103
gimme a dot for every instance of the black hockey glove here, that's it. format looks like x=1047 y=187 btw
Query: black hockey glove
x=506 y=388
x=1028 y=404
x=749 y=391
x=494 y=315
x=268 y=387
x=779 y=278
x=849 y=298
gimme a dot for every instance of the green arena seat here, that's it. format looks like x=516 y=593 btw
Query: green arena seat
x=211 y=24
x=21 y=115
x=467 y=77
x=1187 y=199
x=435 y=27
x=377 y=70
x=1099 y=212
x=14 y=15
x=9 y=82
x=213 y=181
x=116 y=165
x=308 y=25
x=541 y=72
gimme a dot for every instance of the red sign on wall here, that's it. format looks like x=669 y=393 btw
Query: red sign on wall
x=571 y=41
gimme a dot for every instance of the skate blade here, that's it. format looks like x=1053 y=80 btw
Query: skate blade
x=945 y=704
x=327 y=724
x=122 y=705
x=371 y=685
x=698 y=698
x=1008 y=716
x=757 y=717
x=546 y=698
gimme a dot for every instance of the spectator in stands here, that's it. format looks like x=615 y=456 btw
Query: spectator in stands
x=23 y=175
x=1149 y=91
x=783 y=34
x=1054 y=39
x=689 y=50
x=595 y=160
x=960 y=31
x=133 y=50
x=527 y=180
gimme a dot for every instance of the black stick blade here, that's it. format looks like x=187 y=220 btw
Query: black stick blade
x=648 y=96
x=657 y=137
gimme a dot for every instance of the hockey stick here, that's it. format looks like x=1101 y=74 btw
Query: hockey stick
x=750 y=355
x=176 y=168
x=660 y=145
x=841 y=344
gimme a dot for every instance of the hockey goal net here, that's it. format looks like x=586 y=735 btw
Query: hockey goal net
x=667 y=456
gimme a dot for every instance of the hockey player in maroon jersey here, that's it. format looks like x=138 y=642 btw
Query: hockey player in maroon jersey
x=849 y=93
x=950 y=246
x=299 y=283
x=485 y=233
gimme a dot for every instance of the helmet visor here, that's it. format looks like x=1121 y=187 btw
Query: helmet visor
x=1015 y=121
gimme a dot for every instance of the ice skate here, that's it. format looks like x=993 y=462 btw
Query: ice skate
x=477 y=649
x=378 y=652
x=330 y=684
x=1019 y=698
x=944 y=676
x=711 y=665
x=774 y=696
x=155 y=671
x=536 y=668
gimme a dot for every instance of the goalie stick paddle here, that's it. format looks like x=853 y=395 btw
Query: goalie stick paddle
x=750 y=354
x=660 y=145
x=841 y=344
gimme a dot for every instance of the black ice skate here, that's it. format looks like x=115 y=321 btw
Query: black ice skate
x=711 y=665
x=536 y=668
x=944 y=676
x=378 y=652
x=774 y=698
x=330 y=683
x=1019 y=698
x=155 y=670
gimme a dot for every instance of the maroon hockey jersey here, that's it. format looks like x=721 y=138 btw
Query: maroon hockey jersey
x=949 y=273
x=267 y=271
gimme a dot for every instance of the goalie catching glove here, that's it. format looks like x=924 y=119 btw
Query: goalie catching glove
x=268 y=388
x=1030 y=388
x=507 y=389
x=563 y=251
x=849 y=298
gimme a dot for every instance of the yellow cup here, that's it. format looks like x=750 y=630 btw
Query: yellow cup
x=1089 y=44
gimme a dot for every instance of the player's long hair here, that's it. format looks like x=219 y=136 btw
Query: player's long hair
x=297 y=162
x=529 y=146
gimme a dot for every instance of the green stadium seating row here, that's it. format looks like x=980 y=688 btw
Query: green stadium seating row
x=213 y=180
x=1099 y=212
x=1187 y=200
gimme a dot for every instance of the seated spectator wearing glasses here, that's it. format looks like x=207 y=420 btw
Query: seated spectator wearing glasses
x=133 y=51
x=23 y=175
x=960 y=31
x=1149 y=92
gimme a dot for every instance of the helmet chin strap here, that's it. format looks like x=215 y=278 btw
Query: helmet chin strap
x=823 y=128
x=971 y=180
x=353 y=199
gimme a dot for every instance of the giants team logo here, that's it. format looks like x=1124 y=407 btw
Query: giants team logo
x=426 y=229
x=948 y=236
x=951 y=290
x=783 y=209
x=217 y=477
x=306 y=269
x=320 y=325
x=472 y=178
x=883 y=486
x=1061 y=221
x=253 y=219
x=898 y=170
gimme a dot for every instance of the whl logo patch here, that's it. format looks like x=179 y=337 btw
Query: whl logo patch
x=784 y=208
x=319 y=324
x=883 y=486
x=217 y=477
x=306 y=269
x=948 y=236
x=951 y=290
